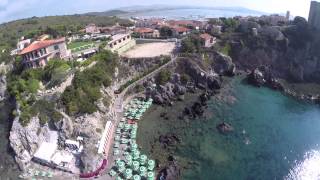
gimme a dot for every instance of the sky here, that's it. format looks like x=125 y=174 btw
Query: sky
x=17 y=9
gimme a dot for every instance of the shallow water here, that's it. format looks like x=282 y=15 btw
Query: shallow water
x=275 y=137
x=8 y=168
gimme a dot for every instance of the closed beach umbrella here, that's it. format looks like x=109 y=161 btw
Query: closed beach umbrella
x=136 y=177
x=143 y=171
x=135 y=165
x=143 y=159
x=128 y=173
x=151 y=165
x=150 y=175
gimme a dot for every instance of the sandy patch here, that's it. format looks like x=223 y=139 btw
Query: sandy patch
x=150 y=50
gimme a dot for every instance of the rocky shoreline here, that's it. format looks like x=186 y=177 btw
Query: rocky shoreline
x=263 y=76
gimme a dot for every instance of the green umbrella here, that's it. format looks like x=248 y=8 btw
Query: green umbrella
x=128 y=173
x=43 y=173
x=135 y=165
x=50 y=175
x=112 y=173
x=143 y=171
x=118 y=178
x=136 y=177
x=151 y=165
x=36 y=173
x=150 y=175
x=143 y=159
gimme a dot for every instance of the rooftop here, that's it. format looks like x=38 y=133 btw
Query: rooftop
x=143 y=30
x=206 y=36
x=46 y=151
x=41 y=44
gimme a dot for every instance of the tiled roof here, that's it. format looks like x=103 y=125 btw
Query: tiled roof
x=41 y=44
x=143 y=30
x=181 y=29
x=206 y=36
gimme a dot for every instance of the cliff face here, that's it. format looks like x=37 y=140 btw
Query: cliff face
x=291 y=51
x=26 y=140
x=3 y=87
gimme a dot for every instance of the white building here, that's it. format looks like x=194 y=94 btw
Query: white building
x=121 y=43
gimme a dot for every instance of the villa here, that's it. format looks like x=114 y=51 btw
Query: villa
x=208 y=40
x=180 y=31
x=147 y=33
x=38 y=53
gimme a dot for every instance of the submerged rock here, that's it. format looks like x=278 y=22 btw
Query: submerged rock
x=224 y=128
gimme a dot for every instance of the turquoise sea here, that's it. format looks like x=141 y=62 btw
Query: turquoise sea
x=275 y=137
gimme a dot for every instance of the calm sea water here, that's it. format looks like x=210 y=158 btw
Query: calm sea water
x=275 y=137
x=8 y=168
x=191 y=13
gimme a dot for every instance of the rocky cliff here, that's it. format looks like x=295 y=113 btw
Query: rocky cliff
x=290 y=52
x=3 y=87
x=26 y=140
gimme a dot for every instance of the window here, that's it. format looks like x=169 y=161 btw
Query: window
x=56 y=47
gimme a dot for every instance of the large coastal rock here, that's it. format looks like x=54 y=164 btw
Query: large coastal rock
x=26 y=140
x=223 y=65
x=263 y=76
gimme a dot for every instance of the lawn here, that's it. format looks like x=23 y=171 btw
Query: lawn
x=82 y=45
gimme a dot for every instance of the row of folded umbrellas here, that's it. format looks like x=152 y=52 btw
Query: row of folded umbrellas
x=136 y=165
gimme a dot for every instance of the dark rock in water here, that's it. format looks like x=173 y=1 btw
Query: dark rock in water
x=224 y=128
x=197 y=109
x=214 y=82
x=275 y=84
x=263 y=76
x=169 y=139
x=187 y=111
x=256 y=78
x=171 y=172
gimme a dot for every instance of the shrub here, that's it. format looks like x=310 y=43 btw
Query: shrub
x=163 y=77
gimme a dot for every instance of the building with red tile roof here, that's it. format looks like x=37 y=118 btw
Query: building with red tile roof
x=147 y=32
x=38 y=53
x=179 y=30
x=208 y=40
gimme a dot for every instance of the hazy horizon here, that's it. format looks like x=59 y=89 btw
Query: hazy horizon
x=19 y=9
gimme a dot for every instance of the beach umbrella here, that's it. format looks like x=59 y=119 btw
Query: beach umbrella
x=116 y=137
x=43 y=173
x=116 y=144
x=116 y=152
x=143 y=171
x=143 y=159
x=36 y=173
x=134 y=146
x=136 y=177
x=112 y=173
x=136 y=154
x=150 y=175
x=151 y=165
x=129 y=162
x=50 y=175
x=135 y=165
x=128 y=173
x=119 y=178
